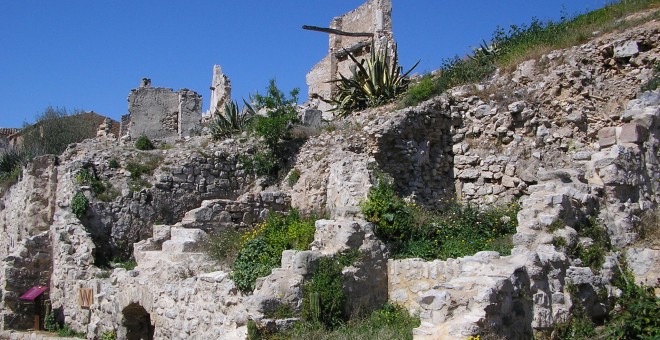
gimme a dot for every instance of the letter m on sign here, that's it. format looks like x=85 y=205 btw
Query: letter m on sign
x=85 y=297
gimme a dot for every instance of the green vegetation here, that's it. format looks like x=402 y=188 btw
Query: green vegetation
x=113 y=163
x=232 y=121
x=373 y=82
x=224 y=246
x=508 y=48
x=102 y=189
x=592 y=255
x=109 y=335
x=143 y=143
x=458 y=231
x=129 y=264
x=54 y=130
x=293 y=178
x=636 y=315
x=262 y=248
x=11 y=166
x=67 y=332
x=261 y=163
x=51 y=325
x=281 y=113
x=79 y=205
x=144 y=166
x=274 y=130
x=323 y=296
x=388 y=322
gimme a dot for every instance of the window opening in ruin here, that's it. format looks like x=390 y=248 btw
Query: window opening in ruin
x=137 y=323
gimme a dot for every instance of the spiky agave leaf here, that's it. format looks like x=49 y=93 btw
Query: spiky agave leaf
x=374 y=81
x=231 y=120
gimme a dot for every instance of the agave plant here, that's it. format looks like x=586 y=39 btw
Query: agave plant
x=373 y=82
x=231 y=121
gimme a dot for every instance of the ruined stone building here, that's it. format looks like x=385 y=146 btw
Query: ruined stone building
x=220 y=90
x=374 y=16
x=161 y=113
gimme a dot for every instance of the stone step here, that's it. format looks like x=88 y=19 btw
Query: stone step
x=182 y=234
x=182 y=246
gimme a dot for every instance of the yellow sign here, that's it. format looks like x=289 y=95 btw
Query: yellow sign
x=85 y=297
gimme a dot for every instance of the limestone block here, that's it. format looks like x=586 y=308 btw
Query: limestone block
x=632 y=133
x=626 y=49
x=311 y=117
x=644 y=264
x=607 y=137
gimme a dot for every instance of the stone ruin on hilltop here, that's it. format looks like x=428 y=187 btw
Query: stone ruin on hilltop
x=569 y=135
x=161 y=113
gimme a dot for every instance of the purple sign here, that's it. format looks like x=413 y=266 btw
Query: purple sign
x=34 y=293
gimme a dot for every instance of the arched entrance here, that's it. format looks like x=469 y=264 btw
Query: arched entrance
x=137 y=323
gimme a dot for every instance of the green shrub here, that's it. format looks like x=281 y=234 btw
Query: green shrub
x=224 y=246
x=262 y=248
x=373 y=82
x=55 y=129
x=143 y=143
x=293 y=178
x=389 y=322
x=418 y=92
x=129 y=264
x=67 y=332
x=109 y=335
x=457 y=231
x=391 y=216
x=79 y=205
x=637 y=315
x=256 y=259
x=87 y=176
x=113 y=163
x=137 y=168
x=281 y=113
x=323 y=296
x=50 y=322
x=262 y=163
x=231 y=121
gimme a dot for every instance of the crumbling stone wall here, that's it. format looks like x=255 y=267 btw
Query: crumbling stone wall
x=374 y=16
x=162 y=114
x=220 y=90
x=27 y=266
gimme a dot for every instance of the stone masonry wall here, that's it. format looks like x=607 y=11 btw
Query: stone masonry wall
x=28 y=266
x=162 y=114
x=374 y=16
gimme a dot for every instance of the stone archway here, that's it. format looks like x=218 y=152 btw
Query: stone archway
x=137 y=323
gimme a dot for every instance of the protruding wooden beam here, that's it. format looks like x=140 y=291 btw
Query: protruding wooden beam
x=338 y=32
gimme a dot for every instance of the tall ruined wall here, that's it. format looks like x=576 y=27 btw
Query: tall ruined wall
x=374 y=16
x=27 y=208
x=220 y=90
x=162 y=114
x=26 y=213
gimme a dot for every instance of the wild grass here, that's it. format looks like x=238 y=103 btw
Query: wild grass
x=509 y=47
x=457 y=231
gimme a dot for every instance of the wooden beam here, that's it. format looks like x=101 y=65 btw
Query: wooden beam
x=337 y=32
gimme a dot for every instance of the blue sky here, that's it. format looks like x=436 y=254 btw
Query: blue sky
x=83 y=54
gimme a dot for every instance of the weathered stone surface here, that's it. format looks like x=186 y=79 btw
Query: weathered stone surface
x=162 y=114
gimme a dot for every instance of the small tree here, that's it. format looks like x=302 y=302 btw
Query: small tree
x=54 y=130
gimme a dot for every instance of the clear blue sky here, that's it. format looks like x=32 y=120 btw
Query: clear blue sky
x=83 y=54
